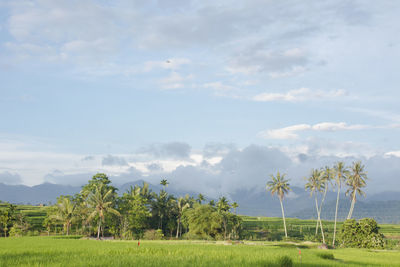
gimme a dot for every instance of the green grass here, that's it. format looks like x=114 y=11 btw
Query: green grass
x=51 y=251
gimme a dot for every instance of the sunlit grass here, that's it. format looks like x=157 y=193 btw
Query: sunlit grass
x=50 y=251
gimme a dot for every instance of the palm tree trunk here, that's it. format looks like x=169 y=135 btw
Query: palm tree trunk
x=283 y=216
x=337 y=205
x=98 y=229
x=319 y=219
x=353 y=201
x=320 y=210
x=177 y=229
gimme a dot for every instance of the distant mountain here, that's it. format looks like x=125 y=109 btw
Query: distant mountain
x=381 y=211
x=44 y=193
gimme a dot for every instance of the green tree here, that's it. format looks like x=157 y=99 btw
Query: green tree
x=164 y=183
x=340 y=174
x=182 y=205
x=200 y=198
x=355 y=181
x=235 y=206
x=279 y=186
x=315 y=185
x=101 y=203
x=223 y=208
x=138 y=214
x=65 y=212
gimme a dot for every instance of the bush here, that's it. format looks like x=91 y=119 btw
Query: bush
x=326 y=256
x=362 y=234
x=153 y=234
x=285 y=261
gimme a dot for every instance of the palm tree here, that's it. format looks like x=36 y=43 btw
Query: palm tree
x=279 y=186
x=356 y=181
x=340 y=174
x=223 y=207
x=316 y=185
x=326 y=179
x=164 y=183
x=101 y=203
x=235 y=206
x=200 y=198
x=182 y=204
x=65 y=212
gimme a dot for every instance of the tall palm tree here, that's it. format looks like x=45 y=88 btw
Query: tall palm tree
x=340 y=173
x=101 y=203
x=164 y=183
x=182 y=204
x=279 y=186
x=235 y=206
x=326 y=179
x=355 y=182
x=223 y=207
x=65 y=212
x=315 y=186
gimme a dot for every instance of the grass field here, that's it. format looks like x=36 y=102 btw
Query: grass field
x=58 y=251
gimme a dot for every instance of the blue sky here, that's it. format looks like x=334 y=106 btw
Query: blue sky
x=150 y=88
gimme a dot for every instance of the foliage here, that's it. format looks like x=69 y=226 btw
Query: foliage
x=361 y=234
x=285 y=261
x=326 y=256
x=153 y=234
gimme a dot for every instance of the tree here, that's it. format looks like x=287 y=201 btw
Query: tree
x=200 y=198
x=340 y=173
x=355 y=181
x=223 y=208
x=235 y=206
x=101 y=204
x=279 y=186
x=326 y=179
x=182 y=205
x=138 y=214
x=97 y=179
x=315 y=185
x=65 y=212
x=164 y=183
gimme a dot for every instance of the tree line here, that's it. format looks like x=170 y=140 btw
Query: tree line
x=353 y=177
x=97 y=210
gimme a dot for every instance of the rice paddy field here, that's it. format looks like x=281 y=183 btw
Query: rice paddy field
x=269 y=228
x=61 y=251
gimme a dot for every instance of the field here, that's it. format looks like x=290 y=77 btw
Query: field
x=60 y=251
x=268 y=228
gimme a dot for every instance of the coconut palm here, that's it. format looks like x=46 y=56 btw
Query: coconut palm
x=279 y=186
x=340 y=173
x=326 y=179
x=101 y=203
x=182 y=204
x=65 y=212
x=315 y=185
x=164 y=183
x=355 y=181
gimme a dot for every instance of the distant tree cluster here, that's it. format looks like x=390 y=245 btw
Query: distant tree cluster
x=98 y=210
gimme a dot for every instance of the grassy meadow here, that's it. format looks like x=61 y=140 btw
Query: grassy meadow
x=61 y=251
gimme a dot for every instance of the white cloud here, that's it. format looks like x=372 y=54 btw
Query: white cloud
x=291 y=132
x=174 y=81
x=302 y=94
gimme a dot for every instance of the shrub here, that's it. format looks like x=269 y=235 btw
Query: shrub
x=362 y=234
x=153 y=234
x=326 y=256
x=285 y=261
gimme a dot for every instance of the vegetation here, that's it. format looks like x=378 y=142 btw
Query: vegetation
x=361 y=234
x=279 y=186
x=62 y=251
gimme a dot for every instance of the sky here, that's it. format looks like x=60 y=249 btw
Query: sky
x=211 y=96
